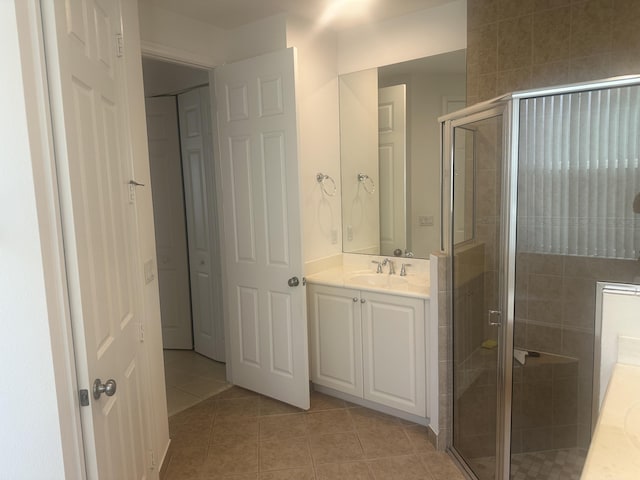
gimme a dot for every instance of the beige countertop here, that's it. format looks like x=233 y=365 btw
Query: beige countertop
x=615 y=448
x=411 y=285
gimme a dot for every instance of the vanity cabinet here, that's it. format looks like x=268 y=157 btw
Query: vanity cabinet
x=370 y=345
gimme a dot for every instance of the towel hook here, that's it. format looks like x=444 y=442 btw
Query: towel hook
x=321 y=178
x=367 y=183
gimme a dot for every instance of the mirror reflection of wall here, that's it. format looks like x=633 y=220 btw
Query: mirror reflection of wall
x=389 y=218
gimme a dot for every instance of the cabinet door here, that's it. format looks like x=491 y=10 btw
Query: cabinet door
x=336 y=338
x=393 y=332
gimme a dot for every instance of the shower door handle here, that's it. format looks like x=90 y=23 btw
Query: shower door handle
x=495 y=318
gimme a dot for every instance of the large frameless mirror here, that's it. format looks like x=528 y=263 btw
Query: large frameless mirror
x=390 y=153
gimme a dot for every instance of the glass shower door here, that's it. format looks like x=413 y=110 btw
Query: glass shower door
x=477 y=150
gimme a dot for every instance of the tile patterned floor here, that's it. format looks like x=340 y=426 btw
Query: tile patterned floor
x=240 y=435
x=191 y=378
x=562 y=464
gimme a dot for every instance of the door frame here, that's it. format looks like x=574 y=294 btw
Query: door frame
x=46 y=194
x=509 y=111
x=182 y=57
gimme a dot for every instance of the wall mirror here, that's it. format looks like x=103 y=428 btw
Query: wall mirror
x=390 y=153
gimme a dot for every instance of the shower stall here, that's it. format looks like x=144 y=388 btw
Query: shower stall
x=538 y=206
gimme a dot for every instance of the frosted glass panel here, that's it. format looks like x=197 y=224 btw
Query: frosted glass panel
x=579 y=174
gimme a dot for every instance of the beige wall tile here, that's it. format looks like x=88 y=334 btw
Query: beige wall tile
x=552 y=35
x=515 y=43
x=591 y=27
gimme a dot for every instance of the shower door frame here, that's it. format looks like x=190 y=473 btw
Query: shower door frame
x=509 y=105
x=509 y=111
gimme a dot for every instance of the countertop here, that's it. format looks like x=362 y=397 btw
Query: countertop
x=411 y=285
x=615 y=448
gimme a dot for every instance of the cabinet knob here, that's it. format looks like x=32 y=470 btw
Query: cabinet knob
x=355 y=299
x=362 y=300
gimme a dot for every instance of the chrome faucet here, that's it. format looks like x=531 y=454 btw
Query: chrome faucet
x=392 y=269
x=379 y=267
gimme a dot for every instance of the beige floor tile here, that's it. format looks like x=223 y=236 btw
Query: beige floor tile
x=284 y=454
x=203 y=387
x=236 y=392
x=419 y=438
x=290 y=474
x=336 y=447
x=329 y=421
x=283 y=426
x=232 y=429
x=239 y=407
x=384 y=442
x=241 y=476
x=270 y=406
x=178 y=400
x=399 y=468
x=320 y=401
x=365 y=419
x=441 y=466
x=344 y=471
x=240 y=435
x=231 y=459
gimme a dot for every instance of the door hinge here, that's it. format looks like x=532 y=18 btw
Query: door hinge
x=84 y=397
x=119 y=45
x=141 y=332
x=152 y=460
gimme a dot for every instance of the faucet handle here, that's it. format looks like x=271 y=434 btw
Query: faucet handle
x=403 y=270
x=379 y=269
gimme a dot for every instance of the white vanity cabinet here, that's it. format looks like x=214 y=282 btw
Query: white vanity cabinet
x=369 y=345
x=335 y=331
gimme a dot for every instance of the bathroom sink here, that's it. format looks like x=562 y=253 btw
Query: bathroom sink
x=379 y=280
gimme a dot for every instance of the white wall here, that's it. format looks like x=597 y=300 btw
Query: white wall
x=167 y=35
x=161 y=78
x=37 y=395
x=359 y=154
x=318 y=138
x=428 y=32
x=257 y=38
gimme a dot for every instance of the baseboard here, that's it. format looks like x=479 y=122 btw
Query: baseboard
x=164 y=465
x=372 y=405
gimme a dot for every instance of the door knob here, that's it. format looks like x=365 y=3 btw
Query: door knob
x=293 y=282
x=108 y=388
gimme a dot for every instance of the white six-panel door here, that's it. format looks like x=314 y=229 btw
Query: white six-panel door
x=262 y=231
x=98 y=216
x=169 y=221
x=204 y=257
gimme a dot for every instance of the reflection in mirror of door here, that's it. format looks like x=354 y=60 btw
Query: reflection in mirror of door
x=403 y=213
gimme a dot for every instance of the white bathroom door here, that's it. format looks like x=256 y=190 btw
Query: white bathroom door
x=204 y=257
x=169 y=222
x=262 y=231
x=98 y=215
x=392 y=135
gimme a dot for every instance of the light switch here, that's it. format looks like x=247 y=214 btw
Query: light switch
x=425 y=220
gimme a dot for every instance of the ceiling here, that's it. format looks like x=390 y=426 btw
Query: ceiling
x=233 y=13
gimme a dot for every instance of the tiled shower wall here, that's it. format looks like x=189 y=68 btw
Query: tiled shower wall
x=521 y=44
x=555 y=313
